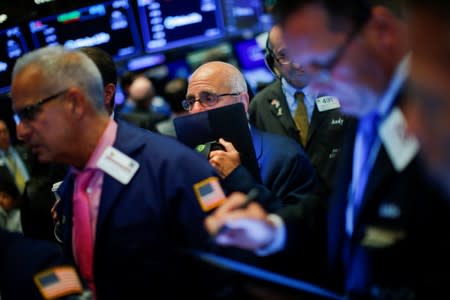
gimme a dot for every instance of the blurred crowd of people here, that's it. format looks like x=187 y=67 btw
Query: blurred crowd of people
x=352 y=142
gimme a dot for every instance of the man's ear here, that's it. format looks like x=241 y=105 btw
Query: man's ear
x=108 y=99
x=244 y=98
x=77 y=102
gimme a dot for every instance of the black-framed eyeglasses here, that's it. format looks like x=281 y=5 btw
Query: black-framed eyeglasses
x=29 y=112
x=331 y=63
x=281 y=59
x=205 y=99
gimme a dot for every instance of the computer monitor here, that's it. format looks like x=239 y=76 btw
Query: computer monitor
x=12 y=46
x=167 y=25
x=245 y=17
x=251 y=60
x=109 y=25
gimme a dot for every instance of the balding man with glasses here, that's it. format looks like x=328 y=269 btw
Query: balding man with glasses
x=284 y=167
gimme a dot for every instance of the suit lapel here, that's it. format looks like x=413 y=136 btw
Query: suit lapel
x=339 y=200
x=285 y=117
x=316 y=121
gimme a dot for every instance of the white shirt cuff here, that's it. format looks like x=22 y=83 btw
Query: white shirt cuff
x=279 y=240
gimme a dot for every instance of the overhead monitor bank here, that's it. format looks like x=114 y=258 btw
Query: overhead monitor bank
x=109 y=25
x=134 y=32
x=167 y=25
x=12 y=46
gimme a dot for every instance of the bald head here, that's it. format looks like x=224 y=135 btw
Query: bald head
x=230 y=78
x=141 y=89
x=217 y=78
x=275 y=37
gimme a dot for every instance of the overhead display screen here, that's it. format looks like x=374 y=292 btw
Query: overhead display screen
x=108 y=25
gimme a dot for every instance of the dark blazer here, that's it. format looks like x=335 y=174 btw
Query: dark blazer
x=284 y=167
x=400 y=244
x=325 y=134
x=401 y=240
x=20 y=259
x=142 y=225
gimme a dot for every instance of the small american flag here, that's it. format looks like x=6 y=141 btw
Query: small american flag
x=58 y=282
x=209 y=193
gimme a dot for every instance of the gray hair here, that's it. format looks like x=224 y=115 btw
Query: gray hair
x=65 y=68
x=236 y=82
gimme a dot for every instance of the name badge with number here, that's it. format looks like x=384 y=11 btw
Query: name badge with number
x=118 y=165
x=327 y=103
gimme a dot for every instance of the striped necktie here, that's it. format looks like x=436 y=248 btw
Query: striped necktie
x=301 y=117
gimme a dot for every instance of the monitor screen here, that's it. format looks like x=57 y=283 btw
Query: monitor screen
x=251 y=59
x=108 y=25
x=171 y=24
x=12 y=46
x=245 y=17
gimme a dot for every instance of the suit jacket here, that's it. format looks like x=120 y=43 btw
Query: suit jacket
x=284 y=167
x=401 y=240
x=325 y=135
x=20 y=259
x=142 y=226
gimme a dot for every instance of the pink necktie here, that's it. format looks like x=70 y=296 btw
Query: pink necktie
x=82 y=233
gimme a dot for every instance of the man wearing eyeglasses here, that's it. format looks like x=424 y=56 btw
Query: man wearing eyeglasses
x=387 y=226
x=128 y=205
x=324 y=127
x=284 y=167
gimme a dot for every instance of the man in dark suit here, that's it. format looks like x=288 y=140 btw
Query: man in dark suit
x=128 y=205
x=388 y=232
x=276 y=109
x=284 y=167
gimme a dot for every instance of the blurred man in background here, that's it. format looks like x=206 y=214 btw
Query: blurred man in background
x=383 y=214
x=430 y=82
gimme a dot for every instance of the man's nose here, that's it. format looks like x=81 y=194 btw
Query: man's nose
x=197 y=107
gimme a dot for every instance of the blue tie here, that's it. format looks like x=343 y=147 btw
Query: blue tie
x=368 y=131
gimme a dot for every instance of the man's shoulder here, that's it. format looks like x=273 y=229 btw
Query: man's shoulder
x=131 y=138
x=280 y=143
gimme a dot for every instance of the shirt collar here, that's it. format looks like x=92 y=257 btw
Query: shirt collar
x=290 y=90
x=107 y=139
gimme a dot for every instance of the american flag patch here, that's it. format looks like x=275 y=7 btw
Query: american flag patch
x=209 y=193
x=58 y=282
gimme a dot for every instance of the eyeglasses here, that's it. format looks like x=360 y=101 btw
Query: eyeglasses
x=282 y=59
x=29 y=112
x=206 y=99
x=330 y=64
